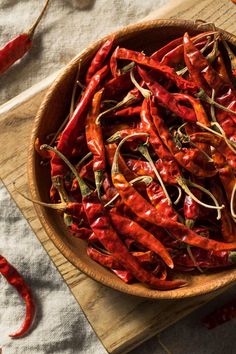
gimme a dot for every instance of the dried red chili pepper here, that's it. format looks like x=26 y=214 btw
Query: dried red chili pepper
x=142 y=59
x=17 y=47
x=221 y=315
x=131 y=229
x=101 y=226
x=166 y=98
x=205 y=259
x=95 y=141
x=191 y=159
x=99 y=59
x=16 y=280
x=159 y=201
x=147 y=212
x=76 y=123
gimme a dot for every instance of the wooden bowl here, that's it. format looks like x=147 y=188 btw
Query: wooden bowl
x=146 y=36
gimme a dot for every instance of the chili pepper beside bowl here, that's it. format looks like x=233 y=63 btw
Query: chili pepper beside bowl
x=114 y=233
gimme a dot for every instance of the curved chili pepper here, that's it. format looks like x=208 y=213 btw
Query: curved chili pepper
x=146 y=211
x=166 y=98
x=99 y=59
x=110 y=150
x=205 y=259
x=128 y=112
x=17 y=47
x=101 y=226
x=116 y=86
x=124 y=275
x=15 y=279
x=131 y=229
x=228 y=226
x=226 y=174
x=159 y=201
x=223 y=314
x=218 y=143
x=142 y=59
x=209 y=79
x=95 y=140
x=191 y=159
x=76 y=123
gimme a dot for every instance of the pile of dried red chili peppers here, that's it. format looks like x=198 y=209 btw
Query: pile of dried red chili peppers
x=144 y=166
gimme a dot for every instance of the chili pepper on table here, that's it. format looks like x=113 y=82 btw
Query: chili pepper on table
x=99 y=59
x=100 y=224
x=223 y=314
x=17 y=47
x=16 y=280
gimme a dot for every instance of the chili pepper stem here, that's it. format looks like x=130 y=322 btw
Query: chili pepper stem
x=98 y=176
x=233 y=213
x=61 y=206
x=127 y=100
x=232 y=257
x=144 y=151
x=193 y=259
x=115 y=165
x=145 y=179
x=85 y=190
x=203 y=96
x=146 y=93
x=87 y=156
x=58 y=184
x=32 y=29
x=179 y=195
x=189 y=223
x=183 y=183
x=230 y=143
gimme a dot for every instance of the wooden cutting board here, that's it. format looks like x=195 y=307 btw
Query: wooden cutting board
x=133 y=320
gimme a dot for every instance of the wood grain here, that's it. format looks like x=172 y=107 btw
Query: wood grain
x=133 y=319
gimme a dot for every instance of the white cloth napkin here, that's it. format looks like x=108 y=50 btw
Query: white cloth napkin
x=60 y=326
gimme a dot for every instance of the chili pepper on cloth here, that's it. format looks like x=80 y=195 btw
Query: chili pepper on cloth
x=17 y=47
x=16 y=280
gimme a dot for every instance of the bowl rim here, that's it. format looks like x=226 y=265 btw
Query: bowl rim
x=224 y=279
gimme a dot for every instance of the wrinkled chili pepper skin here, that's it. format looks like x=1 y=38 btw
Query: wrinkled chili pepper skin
x=14 y=50
x=76 y=123
x=142 y=59
x=101 y=226
x=228 y=226
x=166 y=98
x=131 y=229
x=160 y=202
x=209 y=79
x=191 y=159
x=146 y=211
x=99 y=59
x=15 y=279
x=221 y=315
x=204 y=259
x=94 y=134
